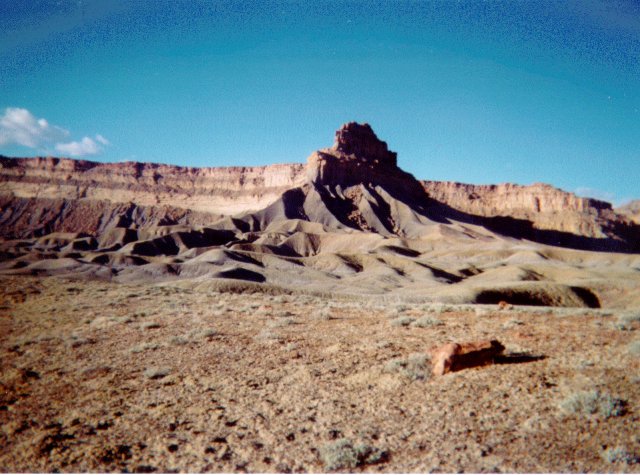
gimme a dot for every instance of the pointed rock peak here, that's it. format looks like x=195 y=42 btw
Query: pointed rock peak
x=361 y=142
x=358 y=156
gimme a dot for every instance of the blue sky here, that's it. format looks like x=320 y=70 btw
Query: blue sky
x=478 y=92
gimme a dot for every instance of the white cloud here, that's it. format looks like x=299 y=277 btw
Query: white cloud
x=19 y=126
x=102 y=140
x=86 y=146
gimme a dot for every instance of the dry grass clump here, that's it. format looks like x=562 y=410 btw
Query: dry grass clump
x=157 y=373
x=592 y=402
x=269 y=336
x=512 y=324
x=482 y=312
x=427 y=321
x=415 y=367
x=402 y=321
x=634 y=347
x=103 y=322
x=150 y=326
x=620 y=455
x=323 y=314
x=179 y=340
x=206 y=333
x=626 y=320
x=282 y=322
x=443 y=308
x=76 y=341
x=343 y=455
x=142 y=347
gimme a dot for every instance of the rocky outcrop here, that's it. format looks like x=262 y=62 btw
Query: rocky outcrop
x=358 y=156
x=359 y=142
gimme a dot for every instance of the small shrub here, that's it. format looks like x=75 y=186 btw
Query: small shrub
x=622 y=326
x=442 y=308
x=144 y=347
x=76 y=341
x=586 y=364
x=208 y=333
x=630 y=317
x=634 y=347
x=323 y=314
x=178 y=340
x=415 y=367
x=426 y=321
x=620 y=455
x=342 y=454
x=593 y=402
x=513 y=323
x=625 y=321
x=125 y=319
x=268 y=336
x=157 y=373
x=282 y=322
x=402 y=321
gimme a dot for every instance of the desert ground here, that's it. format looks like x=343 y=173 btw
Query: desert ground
x=205 y=375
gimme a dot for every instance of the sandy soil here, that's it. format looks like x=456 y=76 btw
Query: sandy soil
x=177 y=376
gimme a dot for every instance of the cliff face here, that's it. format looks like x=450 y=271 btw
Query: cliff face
x=40 y=195
x=212 y=190
x=547 y=207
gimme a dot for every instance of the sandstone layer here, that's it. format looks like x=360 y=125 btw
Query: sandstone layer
x=41 y=195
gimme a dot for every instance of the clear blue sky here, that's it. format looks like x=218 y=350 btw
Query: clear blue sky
x=471 y=91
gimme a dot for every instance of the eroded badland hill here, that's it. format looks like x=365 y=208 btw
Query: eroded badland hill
x=280 y=318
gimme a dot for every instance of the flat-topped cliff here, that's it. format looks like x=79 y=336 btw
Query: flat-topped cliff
x=548 y=207
x=222 y=190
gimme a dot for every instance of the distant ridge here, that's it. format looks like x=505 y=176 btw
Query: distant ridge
x=356 y=184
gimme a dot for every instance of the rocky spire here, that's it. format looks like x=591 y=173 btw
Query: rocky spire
x=357 y=156
x=360 y=141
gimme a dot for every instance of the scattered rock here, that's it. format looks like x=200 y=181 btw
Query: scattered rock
x=457 y=356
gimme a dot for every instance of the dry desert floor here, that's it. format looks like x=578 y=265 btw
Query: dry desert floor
x=182 y=376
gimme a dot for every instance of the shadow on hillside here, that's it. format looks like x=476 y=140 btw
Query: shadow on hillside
x=517 y=228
